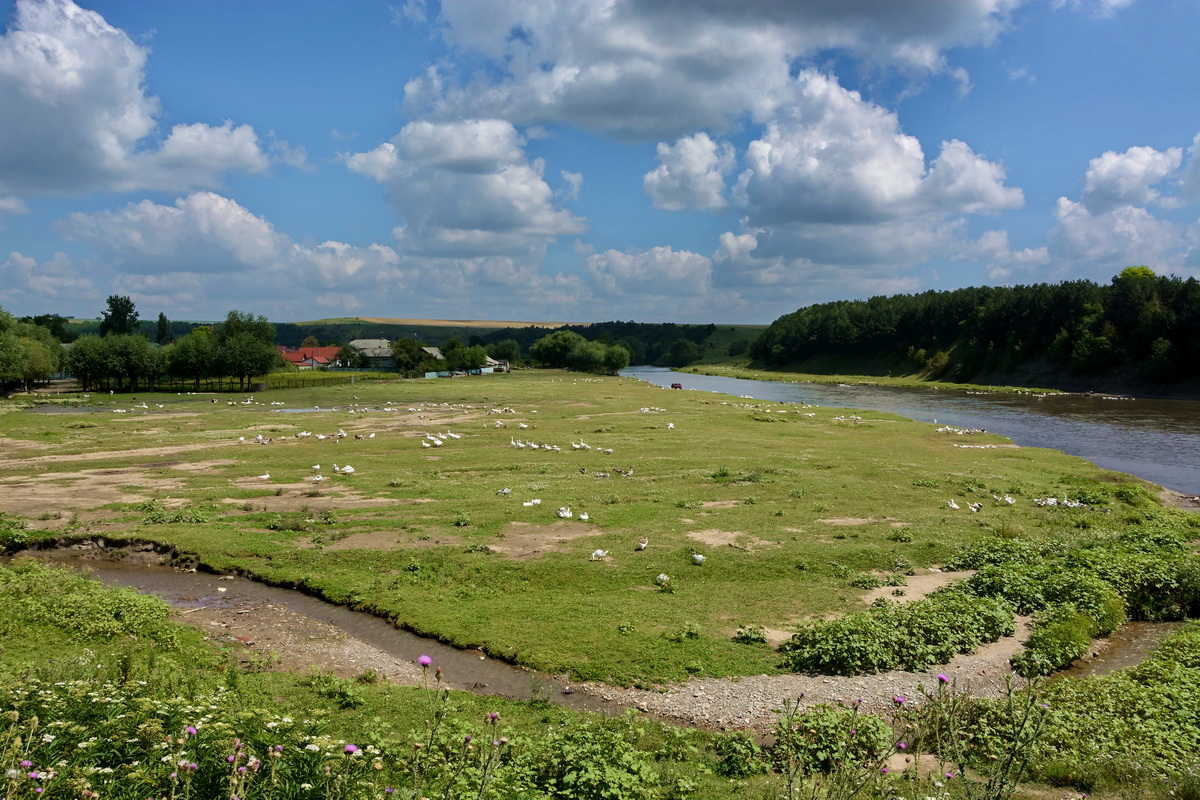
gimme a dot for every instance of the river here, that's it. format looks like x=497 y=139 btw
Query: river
x=1158 y=440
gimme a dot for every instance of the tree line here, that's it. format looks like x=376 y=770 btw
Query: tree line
x=238 y=349
x=1140 y=324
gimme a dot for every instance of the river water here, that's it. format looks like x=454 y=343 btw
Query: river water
x=1158 y=440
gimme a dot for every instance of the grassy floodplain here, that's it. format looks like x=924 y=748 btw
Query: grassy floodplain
x=742 y=369
x=788 y=505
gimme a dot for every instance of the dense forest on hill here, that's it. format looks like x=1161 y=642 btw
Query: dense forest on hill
x=1141 y=325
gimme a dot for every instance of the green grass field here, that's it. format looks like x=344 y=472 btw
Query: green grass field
x=786 y=504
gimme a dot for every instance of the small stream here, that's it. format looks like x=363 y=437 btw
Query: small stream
x=468 y=670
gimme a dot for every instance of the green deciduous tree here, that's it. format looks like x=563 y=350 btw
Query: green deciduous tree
x=121 y=317
x=553 y=350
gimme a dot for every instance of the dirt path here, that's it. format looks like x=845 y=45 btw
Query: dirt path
x=269 y=636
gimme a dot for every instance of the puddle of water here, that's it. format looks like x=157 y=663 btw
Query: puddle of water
x=1128 y=646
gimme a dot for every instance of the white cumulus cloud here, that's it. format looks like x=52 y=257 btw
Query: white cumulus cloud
x=666 y=68
x=691 y=174
x=1127 y=179
x=465 y=189
x=77 y=116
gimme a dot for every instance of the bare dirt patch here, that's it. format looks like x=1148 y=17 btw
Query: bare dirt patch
x=918 y=586
x=857 y=521
x=83 y=489
x=720 y=503
x=719 y=538
x=524 y=540
x=104 y=455
x=381 y=541
x=1179 y=500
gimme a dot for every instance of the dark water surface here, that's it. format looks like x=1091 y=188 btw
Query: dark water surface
x=1158 y=440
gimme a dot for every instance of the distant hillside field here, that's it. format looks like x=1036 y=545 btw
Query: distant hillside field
x=466 y=323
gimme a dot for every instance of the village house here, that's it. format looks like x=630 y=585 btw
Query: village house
x=310 y=357
x=377 y=352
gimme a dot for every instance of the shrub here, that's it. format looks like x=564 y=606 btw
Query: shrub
x=1062 y=636
x=591 y=761
x=739 y=756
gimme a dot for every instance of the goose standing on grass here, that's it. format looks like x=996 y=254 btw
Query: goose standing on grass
x=643 y=543
x=584 y=517
x=266 y=476
x=954 y=505
x=598 y=555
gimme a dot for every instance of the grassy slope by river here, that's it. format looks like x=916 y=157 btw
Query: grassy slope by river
x=787 y=505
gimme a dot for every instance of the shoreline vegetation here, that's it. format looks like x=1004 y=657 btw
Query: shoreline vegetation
x=761 y=526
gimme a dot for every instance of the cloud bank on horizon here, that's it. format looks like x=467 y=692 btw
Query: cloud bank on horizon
x=657 y=160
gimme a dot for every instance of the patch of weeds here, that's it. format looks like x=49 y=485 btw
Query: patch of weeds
x=902 y=564
x=779 y=513
x=865 y=580
x=47 y=515
x=625 y=627
x=900 y=536
x=688 y=504
x=342 y=692
x=689 y=631
x=895 y=579
x=927 y=483
x=479 y=548
x=462 y=519
x=693 y=668
x=749 y=501
x=839 y=536
x=839 y=570
x=280 y=492
x=610 y=500
x=311 y=493
x=82 y=425
x=797 y=493
x=822 y=465
x=898 y=593
x=751 y=634
x=367 y=678
x=722 y=473
x=803 y=566
x=820 y=508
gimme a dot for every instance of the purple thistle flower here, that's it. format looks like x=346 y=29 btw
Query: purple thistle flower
x=884 y=770
x=389 y=790
x=425 y=661
x=467 y=738
x=26 y=763
x=901 y=746
x=190 y=730
x=943 y=677
x=229 y=758
x=949 y=775
x=493 y=716
x=898 y=700
x=351 y=749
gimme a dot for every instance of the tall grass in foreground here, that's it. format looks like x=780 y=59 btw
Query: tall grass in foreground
x=117 y=709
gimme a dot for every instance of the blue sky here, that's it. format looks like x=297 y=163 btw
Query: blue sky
x=652 y=160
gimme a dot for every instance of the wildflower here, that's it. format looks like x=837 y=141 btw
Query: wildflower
x=425 y=661
x=173 y=775
x=884 y=770
x=943 y=678
x=493 y=716
x=190 y=730
x=898 y=700
x=467 y=738
x=306 y=786
x=949 y=775
x=389 y=790
x=26 y=763
x=901 y=746
x=351 y=749
x=229 y=758
x=12 y=773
